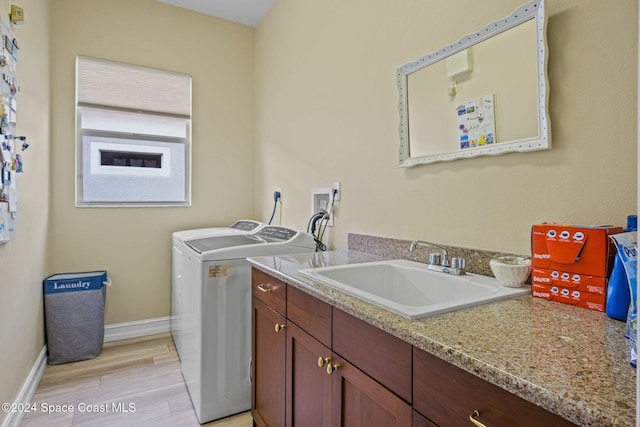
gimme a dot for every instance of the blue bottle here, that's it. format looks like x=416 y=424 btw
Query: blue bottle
x=618 y=297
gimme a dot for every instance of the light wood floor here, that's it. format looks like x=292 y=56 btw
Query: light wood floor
x=143 y=373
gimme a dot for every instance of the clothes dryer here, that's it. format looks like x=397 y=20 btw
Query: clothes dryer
x=215 y=358
x=243 y=226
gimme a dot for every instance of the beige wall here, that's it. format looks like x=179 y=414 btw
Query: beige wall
x=318 y=98
x=326 y=110
x=23 y=261
x=133 y=245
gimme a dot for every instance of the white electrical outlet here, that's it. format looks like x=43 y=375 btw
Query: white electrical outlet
x=279 y=190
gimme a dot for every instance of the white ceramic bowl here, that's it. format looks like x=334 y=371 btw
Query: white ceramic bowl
x=511 y=271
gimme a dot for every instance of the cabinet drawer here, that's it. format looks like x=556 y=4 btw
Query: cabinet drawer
x=448 y=395
x=269 y=290
x=379 y=354
x=309 y=313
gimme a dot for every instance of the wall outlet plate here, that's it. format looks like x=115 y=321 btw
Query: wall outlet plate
x=321 y=199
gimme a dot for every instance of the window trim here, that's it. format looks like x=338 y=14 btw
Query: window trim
x=90 y=72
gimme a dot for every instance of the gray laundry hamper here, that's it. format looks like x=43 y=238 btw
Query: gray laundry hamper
x=74 y=315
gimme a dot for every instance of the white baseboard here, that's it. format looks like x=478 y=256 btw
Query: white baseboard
x=139 y=328
x=113 y=332
x=14 y=419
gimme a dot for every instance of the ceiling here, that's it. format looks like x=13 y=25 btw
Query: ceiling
x=247 y=12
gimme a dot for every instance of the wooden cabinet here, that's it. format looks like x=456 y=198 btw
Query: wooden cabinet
x=297 y=381
x=268 y=350
x=449 y=396
x=374 y=379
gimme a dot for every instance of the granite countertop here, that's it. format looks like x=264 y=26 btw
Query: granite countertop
x=571 y=361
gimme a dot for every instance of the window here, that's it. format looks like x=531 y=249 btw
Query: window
x=133 y=126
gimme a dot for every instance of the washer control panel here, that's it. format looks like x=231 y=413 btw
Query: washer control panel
x=276 y=234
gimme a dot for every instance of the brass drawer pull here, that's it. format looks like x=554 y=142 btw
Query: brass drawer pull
x=263 y=289
x=473 y=417
x=279 y=327
x=322 y=361
x=331 y=368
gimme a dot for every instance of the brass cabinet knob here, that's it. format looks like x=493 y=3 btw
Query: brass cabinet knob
x=262 y=288
x=473 y=417
x=331 y=368
x=279 y=327
x=322 y=361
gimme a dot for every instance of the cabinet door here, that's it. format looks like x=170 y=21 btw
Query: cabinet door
x=308 y=384
x=268 y=366
x=359 y=401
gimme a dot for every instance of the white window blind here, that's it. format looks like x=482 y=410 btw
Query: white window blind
x=120 y=85
x=134 y=123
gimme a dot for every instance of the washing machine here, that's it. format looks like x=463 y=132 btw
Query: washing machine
x=243 y=226
x=216 y=352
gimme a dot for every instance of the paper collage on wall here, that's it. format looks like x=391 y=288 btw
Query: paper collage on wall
x=10 y=144
x=476 y=122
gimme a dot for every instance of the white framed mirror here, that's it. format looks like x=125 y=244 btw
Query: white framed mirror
x=486 y=94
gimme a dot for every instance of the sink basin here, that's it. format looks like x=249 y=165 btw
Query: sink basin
x=410 y=289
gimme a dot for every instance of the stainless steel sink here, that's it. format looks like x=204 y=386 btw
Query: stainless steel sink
x=409 y=289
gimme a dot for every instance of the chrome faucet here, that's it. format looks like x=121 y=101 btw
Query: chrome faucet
x=445 y=254
x=459 y=264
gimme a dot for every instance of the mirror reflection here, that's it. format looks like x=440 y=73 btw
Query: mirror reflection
x=485 y=94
